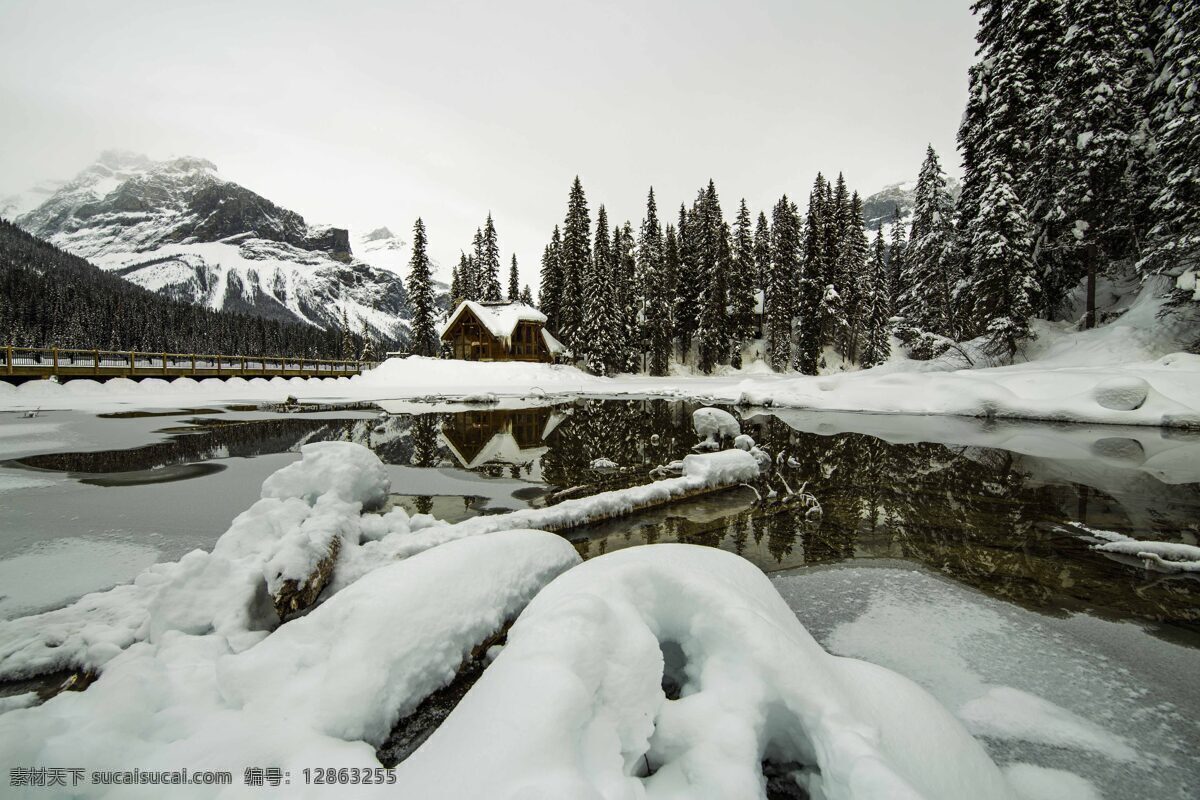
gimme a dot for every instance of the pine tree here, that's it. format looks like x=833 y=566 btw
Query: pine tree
x=742 y=284
x=476 y=283
x=514 y=286
x=627 y=291
x=925 y=304
x=526 y=296
x=659 y=305
x=876 y=305
x=762 y=267
x=810 y=283
x=995 y=238
x=595 y=341
x=781 y=284
x=657 y=295
x=489 y=263
x=851 y=269
x=576 y=259
x=714 y=262
x=895 y=260
x=1174 y=238
x=420 y=295
x=457 y=290
x=688 y=286
x=550 y=292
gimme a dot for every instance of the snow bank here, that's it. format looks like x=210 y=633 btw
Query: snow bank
x=581 y=680
x=323 y=690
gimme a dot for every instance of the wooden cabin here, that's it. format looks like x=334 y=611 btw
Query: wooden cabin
x=500 y=331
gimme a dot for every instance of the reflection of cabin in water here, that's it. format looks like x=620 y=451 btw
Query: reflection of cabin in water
x=476 y=438
x=500 y=331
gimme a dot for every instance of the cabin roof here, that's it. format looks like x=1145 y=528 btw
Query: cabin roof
x=500 y=319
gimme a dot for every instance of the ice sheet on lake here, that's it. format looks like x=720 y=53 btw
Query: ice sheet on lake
x=1105 y=700
x=59 y=571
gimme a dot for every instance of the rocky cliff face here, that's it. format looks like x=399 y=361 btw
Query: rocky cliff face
x=177 y=228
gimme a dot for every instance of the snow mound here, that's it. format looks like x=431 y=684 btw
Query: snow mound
x=1123 y=393
x=581 y=679
x=336 y=469
x=324 y=689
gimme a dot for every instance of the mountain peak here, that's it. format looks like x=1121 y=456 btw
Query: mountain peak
x=124 y=160
x=379 y=233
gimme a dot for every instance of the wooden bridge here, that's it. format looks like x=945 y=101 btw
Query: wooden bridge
x=24 y=363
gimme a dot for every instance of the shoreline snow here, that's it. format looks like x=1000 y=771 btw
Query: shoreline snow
x=1162 y=393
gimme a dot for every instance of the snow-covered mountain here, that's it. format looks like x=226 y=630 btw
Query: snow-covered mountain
x=177 y=228
x=881 y=206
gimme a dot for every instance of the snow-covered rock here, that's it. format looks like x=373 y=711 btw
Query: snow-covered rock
x=1124 y=393
x=712 y=424
x=574 y=706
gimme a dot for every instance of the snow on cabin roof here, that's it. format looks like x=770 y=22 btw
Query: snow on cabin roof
x=498 y=317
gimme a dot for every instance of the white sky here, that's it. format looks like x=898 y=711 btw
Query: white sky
x=363 y=114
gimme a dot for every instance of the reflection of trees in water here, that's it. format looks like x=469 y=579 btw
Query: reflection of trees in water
x=972 y=513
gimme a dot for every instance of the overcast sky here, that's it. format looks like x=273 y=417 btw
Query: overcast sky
x=364 y=114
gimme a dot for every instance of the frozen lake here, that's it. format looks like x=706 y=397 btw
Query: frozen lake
x=945 y=550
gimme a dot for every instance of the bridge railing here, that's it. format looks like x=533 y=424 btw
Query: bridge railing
x=74 y=361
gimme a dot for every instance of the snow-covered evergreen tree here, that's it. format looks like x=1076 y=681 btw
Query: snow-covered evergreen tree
x=876 y=306
x=595 y=343
x=550 y=291
x=762 y=267
x=851 y=263
x=424 y=340
x=660 y=318
x=785 y=258
x=687 y=294
x=925 y=303
x=714 y=261
x=457 y=285
x=526 y=295
x=576 y=259
x=514 y=285
x=810 y=284
x=627 y=296
x=489 y=263
x=1092 y=120
x=896 y=259
x=658 y=295
x=1174 y=239
x=742 y=284
x=995 y=239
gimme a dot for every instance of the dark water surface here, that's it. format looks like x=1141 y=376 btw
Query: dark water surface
x=986 y=504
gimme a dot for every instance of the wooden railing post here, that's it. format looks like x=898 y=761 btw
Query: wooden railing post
x=193 y=364
x=8 y=355
x=95 y=362
x=54 y=357
x=164 y=363
x=243 y=365
x=132 y=363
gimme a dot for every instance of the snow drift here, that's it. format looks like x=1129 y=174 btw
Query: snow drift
x=581 y=679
